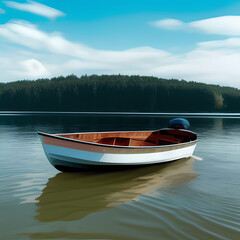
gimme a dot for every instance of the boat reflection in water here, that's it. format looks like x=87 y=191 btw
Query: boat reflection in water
x=72 y=196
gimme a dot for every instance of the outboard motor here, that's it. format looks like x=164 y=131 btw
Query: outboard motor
x=179 y=123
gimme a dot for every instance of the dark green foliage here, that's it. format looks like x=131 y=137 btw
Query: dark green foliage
x=117 y=93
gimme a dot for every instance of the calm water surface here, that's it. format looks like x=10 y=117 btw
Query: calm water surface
x=186 y=199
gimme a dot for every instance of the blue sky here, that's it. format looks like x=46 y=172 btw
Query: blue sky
x=192 y=40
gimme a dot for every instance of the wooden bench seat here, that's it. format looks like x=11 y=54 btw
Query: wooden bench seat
x=158 y=140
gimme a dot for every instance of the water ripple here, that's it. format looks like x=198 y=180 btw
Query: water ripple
x=192 y=218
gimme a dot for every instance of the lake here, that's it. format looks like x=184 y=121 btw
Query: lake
x=187 y=199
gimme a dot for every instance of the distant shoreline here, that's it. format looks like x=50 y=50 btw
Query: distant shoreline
x=118 y=94
x=120 y=113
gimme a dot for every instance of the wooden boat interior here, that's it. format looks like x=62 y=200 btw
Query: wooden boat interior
x=135 y=139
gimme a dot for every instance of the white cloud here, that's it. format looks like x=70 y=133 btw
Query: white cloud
x=18 y=65
x=168 y=23
x=34 y=68
x=28 y=35
x=50 y=54
x=36 y=8
x=215 y=66
x=227 y=43
x=2 y=11
x=224 y=25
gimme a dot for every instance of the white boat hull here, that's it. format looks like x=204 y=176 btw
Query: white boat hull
x=66 y=157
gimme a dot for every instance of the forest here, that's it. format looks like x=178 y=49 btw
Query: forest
x=117 y=93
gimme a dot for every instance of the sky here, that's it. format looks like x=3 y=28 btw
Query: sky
x=180 y=39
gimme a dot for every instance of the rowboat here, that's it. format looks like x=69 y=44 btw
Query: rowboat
x=74 y=151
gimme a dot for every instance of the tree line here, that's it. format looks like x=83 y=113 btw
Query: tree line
x=117 y=93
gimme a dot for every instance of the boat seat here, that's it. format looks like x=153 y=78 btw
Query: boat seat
x=141 y=143
x=118 y=141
